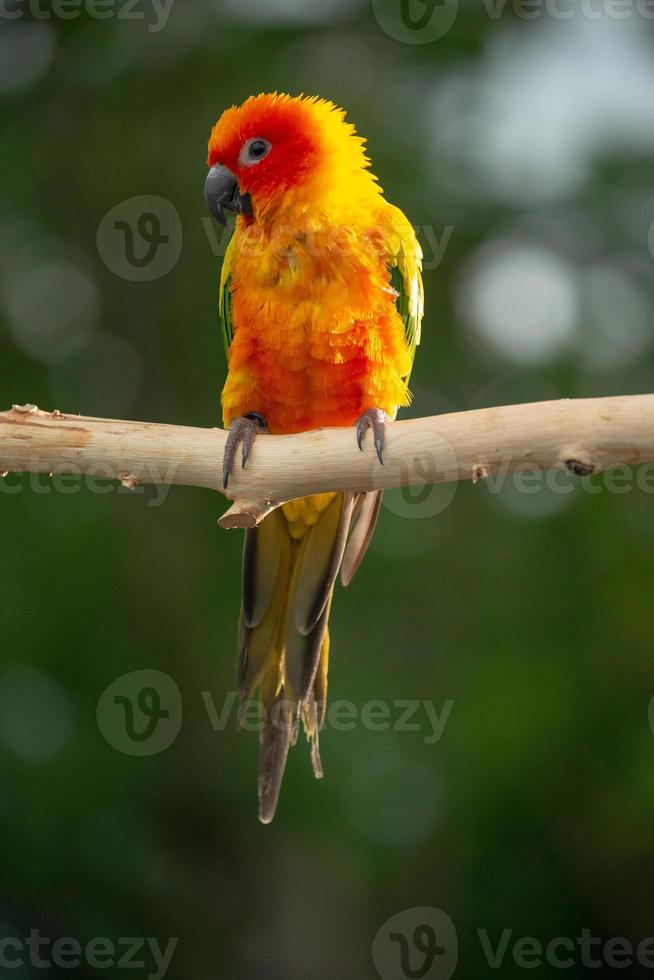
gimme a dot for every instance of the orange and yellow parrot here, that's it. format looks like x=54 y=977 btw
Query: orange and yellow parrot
x=321 y=303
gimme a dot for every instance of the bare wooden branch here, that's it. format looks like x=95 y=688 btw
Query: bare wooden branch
x=584 y=436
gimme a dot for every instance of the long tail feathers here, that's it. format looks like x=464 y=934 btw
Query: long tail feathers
x=288 y=581
x=366 y=512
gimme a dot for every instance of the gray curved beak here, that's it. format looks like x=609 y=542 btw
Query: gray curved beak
x=221 y=192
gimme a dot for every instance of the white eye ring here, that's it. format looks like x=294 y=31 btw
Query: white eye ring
x=254 y=151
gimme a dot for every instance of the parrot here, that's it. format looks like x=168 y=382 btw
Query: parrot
x=320 y=306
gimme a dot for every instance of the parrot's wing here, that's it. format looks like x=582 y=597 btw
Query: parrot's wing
x=364 y=519
x=405 y=264
x=404 y=259
x=225 y=297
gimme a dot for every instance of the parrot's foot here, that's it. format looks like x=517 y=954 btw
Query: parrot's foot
x=244 y=430
x=376 y=420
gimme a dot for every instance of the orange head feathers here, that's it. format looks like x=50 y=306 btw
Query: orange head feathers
x=283 y=147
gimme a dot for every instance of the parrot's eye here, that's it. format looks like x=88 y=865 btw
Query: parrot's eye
x=253 y=151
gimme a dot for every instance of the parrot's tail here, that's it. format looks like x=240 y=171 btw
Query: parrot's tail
x=290 y=564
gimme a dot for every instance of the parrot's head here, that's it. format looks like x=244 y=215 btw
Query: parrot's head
x=275 y=148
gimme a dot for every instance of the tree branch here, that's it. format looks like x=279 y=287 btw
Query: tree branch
x=585 y=436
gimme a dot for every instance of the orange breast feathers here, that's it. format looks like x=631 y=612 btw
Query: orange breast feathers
x=317 y=336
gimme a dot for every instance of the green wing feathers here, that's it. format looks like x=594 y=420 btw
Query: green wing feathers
x=405 y=265
x=225 y=296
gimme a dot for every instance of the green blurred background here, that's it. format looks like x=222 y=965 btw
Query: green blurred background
x=524 y=146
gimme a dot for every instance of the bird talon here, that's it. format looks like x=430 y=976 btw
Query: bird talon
x=376 y=420
x=242 y=430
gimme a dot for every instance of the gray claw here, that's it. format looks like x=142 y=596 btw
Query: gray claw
x=244 y=430
x=379 y=445
x=376 y=420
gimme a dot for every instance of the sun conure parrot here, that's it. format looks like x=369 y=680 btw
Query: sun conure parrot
x=321 y=303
